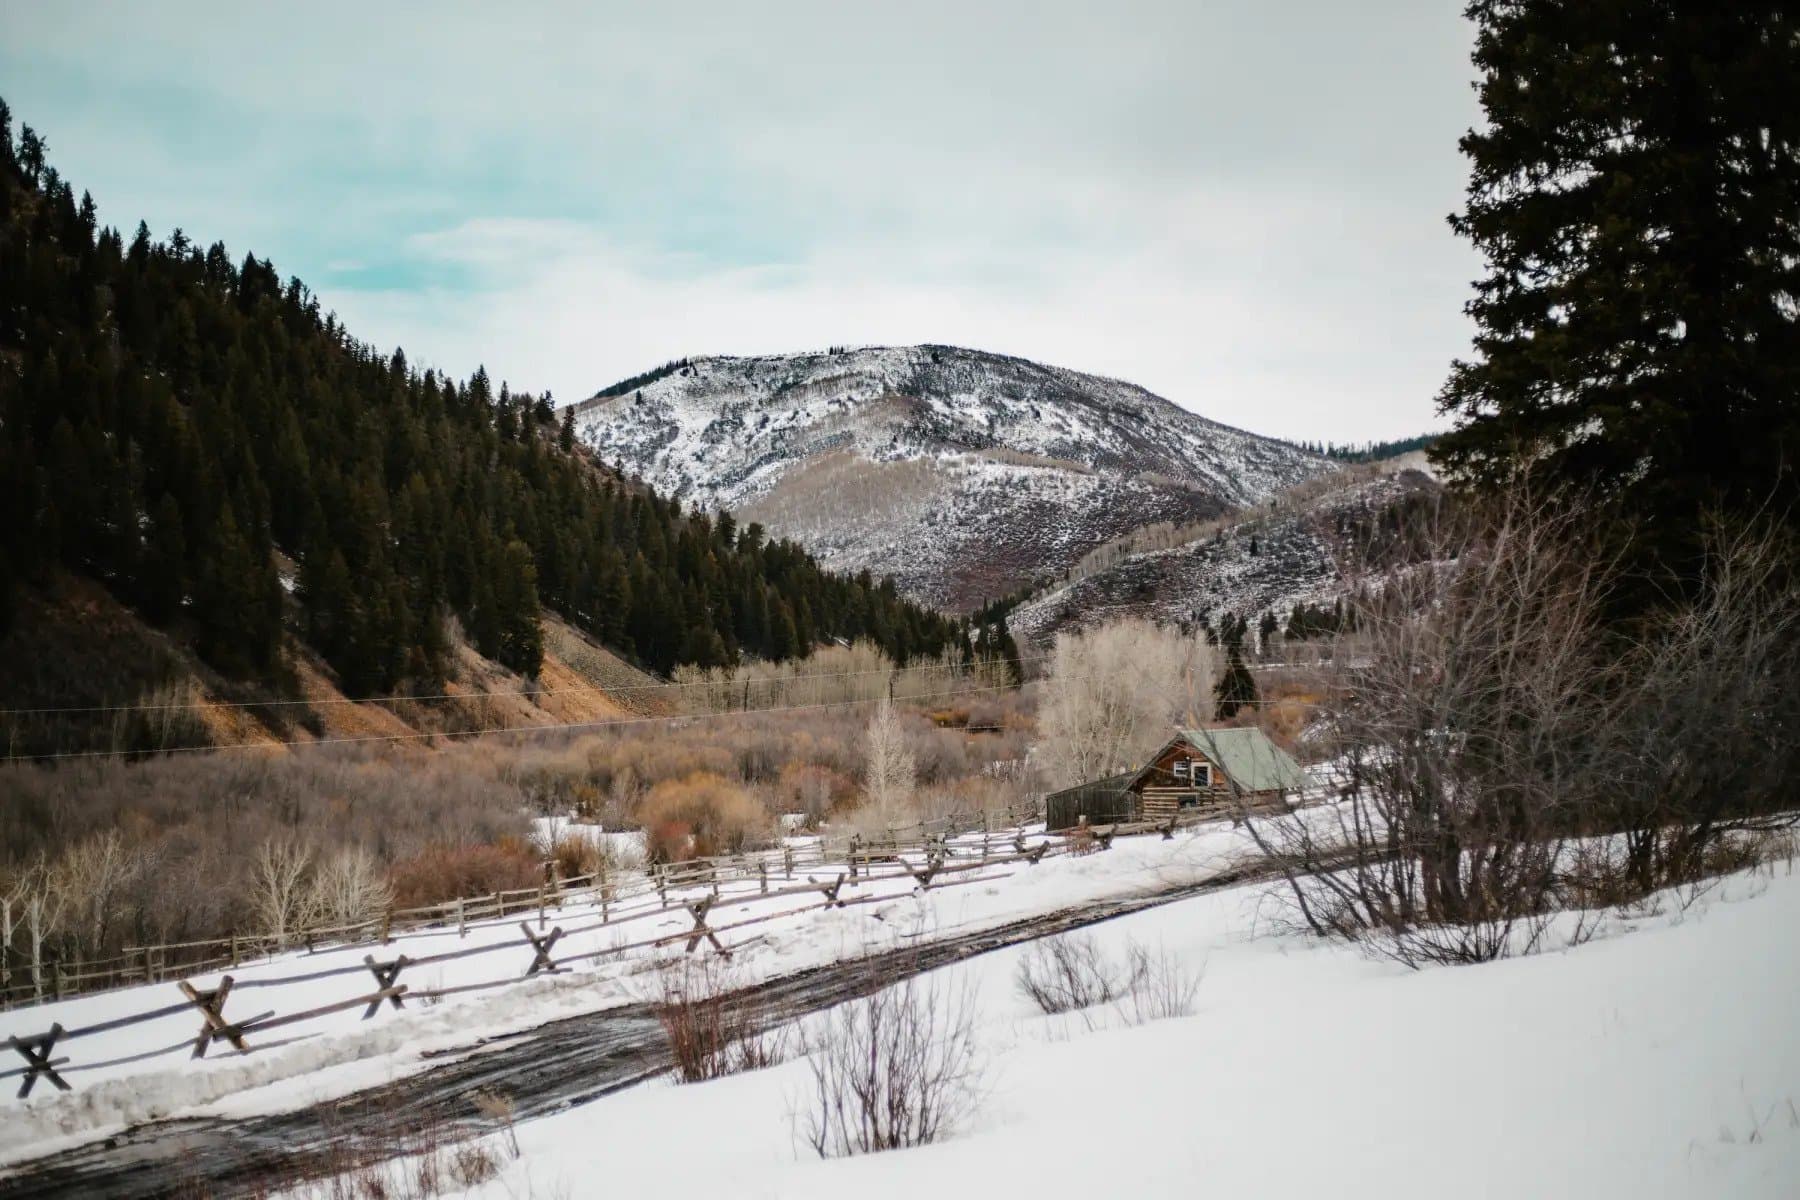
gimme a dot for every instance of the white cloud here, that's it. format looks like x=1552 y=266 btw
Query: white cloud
x=1209 y=324
x=1236 y=204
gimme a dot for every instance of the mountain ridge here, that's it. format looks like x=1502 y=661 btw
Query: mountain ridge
x=965 y=474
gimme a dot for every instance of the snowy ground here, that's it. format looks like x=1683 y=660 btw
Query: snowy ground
x=1660 y=1060
x=340 y=1052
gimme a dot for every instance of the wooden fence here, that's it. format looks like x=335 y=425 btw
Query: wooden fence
x=27 y=978
x=938 y=861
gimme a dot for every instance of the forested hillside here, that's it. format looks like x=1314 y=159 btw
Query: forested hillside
x=171 y=417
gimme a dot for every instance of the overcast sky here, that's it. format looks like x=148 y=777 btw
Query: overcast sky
x=1238 y=205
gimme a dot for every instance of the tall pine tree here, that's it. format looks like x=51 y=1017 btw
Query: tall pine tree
x=1636 y=193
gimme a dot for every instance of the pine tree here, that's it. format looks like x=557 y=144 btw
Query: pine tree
x=520 y=638
x=239 y=630
x=1634 y=194
x=1236 y=687
x=326 y=596
x=162 y=579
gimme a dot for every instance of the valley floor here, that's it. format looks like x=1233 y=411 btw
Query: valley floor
x=1659 y=1060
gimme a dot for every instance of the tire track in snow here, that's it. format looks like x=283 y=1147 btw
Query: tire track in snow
x=543 y=1070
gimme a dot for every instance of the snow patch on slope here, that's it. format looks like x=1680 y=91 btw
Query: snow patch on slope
x=963 y=474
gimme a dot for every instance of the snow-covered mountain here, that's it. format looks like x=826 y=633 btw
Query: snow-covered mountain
x=965 y=475
x=1304 y=546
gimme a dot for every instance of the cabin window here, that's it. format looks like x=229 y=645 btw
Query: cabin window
x=1181 y=768
x=1201 y=774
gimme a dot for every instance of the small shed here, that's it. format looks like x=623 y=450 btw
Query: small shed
x=1195 y=769
x=1103 y=802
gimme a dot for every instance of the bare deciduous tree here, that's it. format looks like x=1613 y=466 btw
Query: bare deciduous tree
x=94 y=874
x=1115 y=692
x=888 y=771
x=1506 y=749
x=280 y=887
x=348 y=889
x=1471 y=745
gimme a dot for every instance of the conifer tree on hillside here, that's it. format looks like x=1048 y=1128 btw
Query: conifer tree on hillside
x=1236 y=687
x=1636 y=194
x=171 y=417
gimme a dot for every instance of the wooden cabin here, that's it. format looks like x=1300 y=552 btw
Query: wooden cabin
x=1202 y=769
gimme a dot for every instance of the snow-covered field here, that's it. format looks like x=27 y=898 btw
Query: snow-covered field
x=340 y=1052
x=1660 y=1060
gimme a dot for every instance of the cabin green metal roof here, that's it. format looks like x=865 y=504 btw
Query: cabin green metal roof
x=1249 y=759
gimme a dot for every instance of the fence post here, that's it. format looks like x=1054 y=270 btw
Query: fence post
x=387 y=923
x=5 y=942
x=762 y=876
x=234 y=948
x=462 y=924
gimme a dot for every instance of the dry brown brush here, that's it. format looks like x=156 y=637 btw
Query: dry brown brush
x=713 y=1027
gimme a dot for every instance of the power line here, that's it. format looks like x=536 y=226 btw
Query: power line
x=418 y=735
x=71 y=710
x=575 y=726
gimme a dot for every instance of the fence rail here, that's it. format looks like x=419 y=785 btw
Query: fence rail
x=936 y=861
x=27 y=979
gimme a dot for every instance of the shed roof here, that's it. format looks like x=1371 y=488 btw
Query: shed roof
x=1250 y=760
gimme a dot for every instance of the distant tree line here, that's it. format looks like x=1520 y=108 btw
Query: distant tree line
x=1363 y=452
x=170 y=419
x=646 y=377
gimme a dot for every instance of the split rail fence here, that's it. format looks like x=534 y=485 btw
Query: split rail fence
x=38 y=975
x=936 y=860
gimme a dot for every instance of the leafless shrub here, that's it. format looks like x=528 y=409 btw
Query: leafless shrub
x=899 y=1067
x=1073 y=973
x=1469 y=749
x=700 y=815
x=1161 y=986
x=1507 y=750
x=1070 y=973
x=443 y=871
x=472 y=1164
x=712 y=1028
x=1710 y=725
x=499 y=1108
